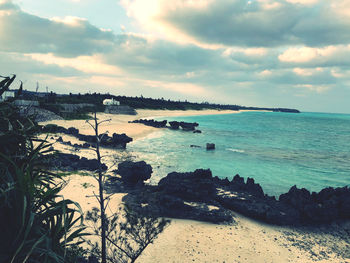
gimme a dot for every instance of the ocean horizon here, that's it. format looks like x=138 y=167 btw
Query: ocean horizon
x=278 y=150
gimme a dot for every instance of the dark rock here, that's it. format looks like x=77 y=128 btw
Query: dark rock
x=188 y=126
x=194 y=186
x=197 y=131
x=174 y=125
x=133 y=173
x=116 y=141
x=238 y=180
x=72 y=131
x=195 y=146
x=86 y=145
x=323 y=207
x=152 y=123
x=253 y=188
x=258 y=208
x=71 y=162
x=210 y=146
x=53 y=128
x=59 y=139
x=160 y=204
x=119 y=140
x=189 y=195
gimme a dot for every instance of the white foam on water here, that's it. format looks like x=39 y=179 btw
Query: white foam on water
x=235 y=150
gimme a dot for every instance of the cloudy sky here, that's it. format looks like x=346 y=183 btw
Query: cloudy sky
x=275 y=53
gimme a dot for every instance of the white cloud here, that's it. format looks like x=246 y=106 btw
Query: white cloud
x=317 y=57
x=303 y=2
x=265 y=73
x=86 y=64
x=307 y=71
x=314 y=88
x=225 y=23
x=247 y=51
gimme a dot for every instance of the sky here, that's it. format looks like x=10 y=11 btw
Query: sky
x=265 y=53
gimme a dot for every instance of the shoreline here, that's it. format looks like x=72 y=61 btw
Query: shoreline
x=247 y=240
x=120 y=123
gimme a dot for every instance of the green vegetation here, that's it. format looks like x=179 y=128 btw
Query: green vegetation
x=36 y=224
x=126 y=237
x=134 y=102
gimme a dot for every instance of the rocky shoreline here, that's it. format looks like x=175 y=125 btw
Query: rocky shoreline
x=114 y=141
x=173 y=125
x=200 y=196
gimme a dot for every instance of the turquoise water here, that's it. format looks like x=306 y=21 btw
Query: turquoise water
x=278 y=150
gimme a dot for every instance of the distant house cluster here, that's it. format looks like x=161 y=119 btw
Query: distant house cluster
x=111 y=102
x=19 y=102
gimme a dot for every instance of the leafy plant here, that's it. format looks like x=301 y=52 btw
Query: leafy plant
x=127 y=234
x=36 y=223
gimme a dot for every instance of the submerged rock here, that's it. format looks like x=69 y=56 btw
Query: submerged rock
x=210 y=146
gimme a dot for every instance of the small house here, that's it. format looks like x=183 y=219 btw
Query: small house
x=108 y=102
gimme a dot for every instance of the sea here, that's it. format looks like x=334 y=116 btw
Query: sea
x=278 y=150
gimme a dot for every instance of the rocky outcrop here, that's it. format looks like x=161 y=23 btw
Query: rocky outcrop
x=323 y=207
x=210 y=146
x=198 y=195
x=152 y=123
x=72 y=162
x=53 y=128
x=174 y=125
x=75 y=145
x=38 y=114
x=134 y=173
x=188 y=126
x=116 y=141
x=195 y=186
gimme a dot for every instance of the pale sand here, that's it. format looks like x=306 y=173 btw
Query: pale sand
x=119 y=123
x=245 y=241
x=192 y=241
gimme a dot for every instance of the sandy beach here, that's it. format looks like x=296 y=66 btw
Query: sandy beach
x=245 y=240
x=119 y=123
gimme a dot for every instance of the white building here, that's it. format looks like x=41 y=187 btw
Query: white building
x=111 y=102
x=7 y=95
